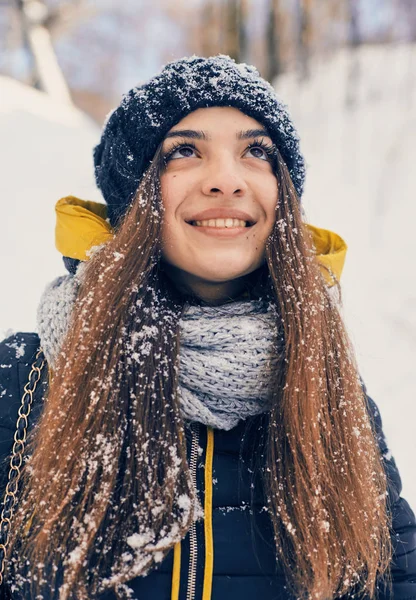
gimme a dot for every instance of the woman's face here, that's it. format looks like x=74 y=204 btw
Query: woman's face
x=219 y=193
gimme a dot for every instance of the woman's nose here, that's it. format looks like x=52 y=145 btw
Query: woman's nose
x=223 y=179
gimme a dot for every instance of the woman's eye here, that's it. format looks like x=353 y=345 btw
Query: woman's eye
x=182 y=152
x=258 y=152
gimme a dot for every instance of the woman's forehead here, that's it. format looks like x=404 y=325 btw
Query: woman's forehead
x=217 y=119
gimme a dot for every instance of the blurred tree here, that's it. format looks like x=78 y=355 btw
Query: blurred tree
x=235 y=21
x=224 y=28
x=231 y=10
x=354 y=37
x=104 y=47
x=329 y=26
x=304 y=37
x=210 y=28
x=243 y=37
x=273 y=60
x=35 y=17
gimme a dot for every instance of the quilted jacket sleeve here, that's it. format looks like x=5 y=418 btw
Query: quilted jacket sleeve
x=17 y=354
x=403 y=520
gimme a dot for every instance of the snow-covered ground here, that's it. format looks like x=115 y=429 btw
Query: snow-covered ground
x=361 y=183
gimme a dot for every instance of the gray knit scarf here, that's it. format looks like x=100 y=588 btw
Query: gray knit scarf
x=225 y=360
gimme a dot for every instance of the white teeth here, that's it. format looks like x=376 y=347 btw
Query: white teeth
x=221 y=223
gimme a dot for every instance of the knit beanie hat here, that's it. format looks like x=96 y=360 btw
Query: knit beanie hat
x=133 y=131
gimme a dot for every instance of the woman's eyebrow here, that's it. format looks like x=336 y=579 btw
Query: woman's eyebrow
x=189 y=133
x=252 y=133
x=201 y=135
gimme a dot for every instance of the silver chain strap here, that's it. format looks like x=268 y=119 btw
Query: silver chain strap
x=16 y=459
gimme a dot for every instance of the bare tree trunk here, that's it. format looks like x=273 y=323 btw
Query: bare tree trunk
x=235 y=21
x=354 y=29
x=209 y=29
x=304 y=11
x=49 y=76
x=231 y=21
x=273 y=61
x=243 y=15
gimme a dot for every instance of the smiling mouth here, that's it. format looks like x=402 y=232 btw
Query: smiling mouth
x=221 y=223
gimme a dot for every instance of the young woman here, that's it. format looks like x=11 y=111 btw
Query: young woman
x=197 y=426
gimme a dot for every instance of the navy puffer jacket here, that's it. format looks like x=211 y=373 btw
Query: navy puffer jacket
x=230 y=555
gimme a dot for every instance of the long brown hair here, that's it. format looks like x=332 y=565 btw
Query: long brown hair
x=109 y=453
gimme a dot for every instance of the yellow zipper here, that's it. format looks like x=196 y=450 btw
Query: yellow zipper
x=209 y=541
x=208 y=533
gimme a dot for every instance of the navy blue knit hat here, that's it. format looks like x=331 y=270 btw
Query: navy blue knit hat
x=134 y=130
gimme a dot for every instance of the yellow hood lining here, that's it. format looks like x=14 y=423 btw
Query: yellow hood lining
x=82 y=224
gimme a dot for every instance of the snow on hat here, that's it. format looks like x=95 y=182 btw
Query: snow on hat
x=134 y=130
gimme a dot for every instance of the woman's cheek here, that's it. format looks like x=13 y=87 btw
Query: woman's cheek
x=175 y=188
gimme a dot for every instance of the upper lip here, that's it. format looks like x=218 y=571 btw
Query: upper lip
x=222 y=213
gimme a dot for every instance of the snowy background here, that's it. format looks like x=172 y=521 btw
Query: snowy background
x=361 y=183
